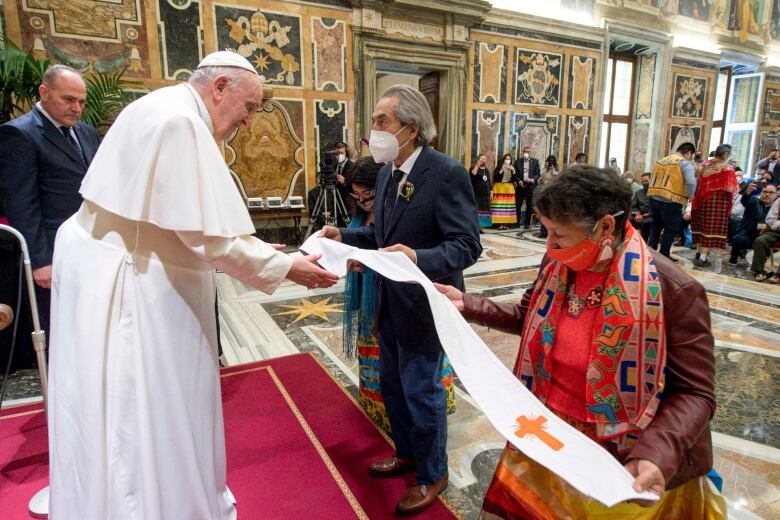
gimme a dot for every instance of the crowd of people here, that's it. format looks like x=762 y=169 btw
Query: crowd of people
x=685 y=200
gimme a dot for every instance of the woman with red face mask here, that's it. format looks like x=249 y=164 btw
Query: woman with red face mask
x=616 y=340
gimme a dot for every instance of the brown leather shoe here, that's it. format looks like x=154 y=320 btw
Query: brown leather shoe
x=391 y=467
x=420 y=497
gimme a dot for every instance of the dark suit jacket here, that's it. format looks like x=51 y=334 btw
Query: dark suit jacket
x=439 y=222
x=534 y=172
x=41 y=173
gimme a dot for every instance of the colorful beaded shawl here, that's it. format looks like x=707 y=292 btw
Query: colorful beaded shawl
x=625 y=374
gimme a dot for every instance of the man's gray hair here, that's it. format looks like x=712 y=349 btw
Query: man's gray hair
x=55 y=71
x=722 y=150
x=205 y=75
x=413 y=108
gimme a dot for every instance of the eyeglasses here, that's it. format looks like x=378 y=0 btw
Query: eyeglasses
x=367 y=195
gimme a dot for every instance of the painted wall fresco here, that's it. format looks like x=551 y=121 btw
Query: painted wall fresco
x=582 y=78
x=271 y=41
x=538 y=78
x=774 y=20
x=540 y=133
x=267 y=156
x=329 y=54
x=488 y=135
x=767 y=141
x=578 y=137
x=689 y=96
x=113 y=37
x=180 y=33
x=490 y=72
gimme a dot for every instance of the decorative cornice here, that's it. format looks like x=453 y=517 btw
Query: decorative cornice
x=527 y=26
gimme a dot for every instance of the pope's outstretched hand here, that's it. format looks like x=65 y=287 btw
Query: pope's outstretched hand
x=306 y=272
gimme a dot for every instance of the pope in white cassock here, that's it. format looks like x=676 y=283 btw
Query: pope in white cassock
x=135 y=414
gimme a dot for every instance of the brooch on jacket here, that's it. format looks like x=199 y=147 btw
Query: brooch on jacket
x=407 y=190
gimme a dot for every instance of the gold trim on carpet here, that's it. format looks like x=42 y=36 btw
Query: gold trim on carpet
x=386 y=437
x=356 y=507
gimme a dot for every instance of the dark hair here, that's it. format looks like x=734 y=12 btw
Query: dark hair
x=646 y=174
x=722 y=150
x=505 y=156
x=341 y=144
x=686 y=148
x=583 y=194
x=580 y=155
x=363 y=172
x=553 y=161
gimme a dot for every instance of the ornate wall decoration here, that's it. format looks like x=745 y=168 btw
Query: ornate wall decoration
x=330 y=125
x=111 y=38
x=488 y=136
x=688 y=99
x=180 y=34
x=697 y=9
x=490 y=70
x=770 y=116
x=582 y=76
x=644 y=96
x=538 y=79
x=540 y=133
x=577 y=137
x=639 y=143
x=679 y=134
x=767 y=141
x=329 y=53
x=774 y=20
x=271 y=41
x=268 y=156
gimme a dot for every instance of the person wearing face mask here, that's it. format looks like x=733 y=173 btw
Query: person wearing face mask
x=616 y=340
x=424 y=209
x=502 y=200
x=755 y=211
x=641 y=218
x=344 y=161
x=480 y=183
x=527 y=173
x=360 y=317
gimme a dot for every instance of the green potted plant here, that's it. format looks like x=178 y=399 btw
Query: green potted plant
x=21 y=74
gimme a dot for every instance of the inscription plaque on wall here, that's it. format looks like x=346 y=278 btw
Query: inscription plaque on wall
x=413 y=30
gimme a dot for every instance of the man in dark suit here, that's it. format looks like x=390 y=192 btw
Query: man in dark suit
x=424 y=207
x=527 y=173
x=44 y=155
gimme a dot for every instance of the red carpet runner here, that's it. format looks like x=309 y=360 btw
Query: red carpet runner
x=297 y=446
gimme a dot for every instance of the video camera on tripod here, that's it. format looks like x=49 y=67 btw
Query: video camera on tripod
x=329 y=208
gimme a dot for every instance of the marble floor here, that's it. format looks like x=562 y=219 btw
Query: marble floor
x=746 y=325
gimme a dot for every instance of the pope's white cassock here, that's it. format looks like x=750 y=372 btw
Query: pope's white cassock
x=135 y=414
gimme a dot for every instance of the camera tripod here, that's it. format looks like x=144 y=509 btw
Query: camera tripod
x=330 y=204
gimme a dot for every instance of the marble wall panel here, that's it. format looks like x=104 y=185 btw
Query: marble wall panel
x=578 y=132
x=490 y=72
x=767 y=141
x=639 y=143
x=329 y=54
x=271 y=41
x=582 y=77
x=330 y=125
x=180 y=34
x=267 y=155
x=540 y=133
x=645 y=82
x=679 y=134
x=697 y=9
x=689 y=96
x=770 y=116
x=538 y=78
x=488 y=135
x=111 y=38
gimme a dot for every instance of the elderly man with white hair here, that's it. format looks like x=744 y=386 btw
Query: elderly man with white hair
x=135 y=413
x=424 y=207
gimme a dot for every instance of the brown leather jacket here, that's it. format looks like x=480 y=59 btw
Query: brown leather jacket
x=678 y=439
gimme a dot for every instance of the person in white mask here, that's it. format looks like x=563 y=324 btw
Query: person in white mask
x=424 y=207
x=344 y=161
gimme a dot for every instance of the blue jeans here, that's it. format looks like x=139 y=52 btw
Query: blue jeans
x=415 y=402
x=667 y=217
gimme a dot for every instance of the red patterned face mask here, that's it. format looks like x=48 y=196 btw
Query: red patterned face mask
x=585 y=254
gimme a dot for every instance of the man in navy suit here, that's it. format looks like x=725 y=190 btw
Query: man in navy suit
x=527 y=172
x=424 y=207
x=44 y=155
